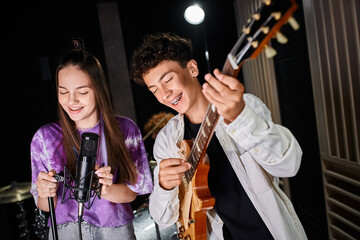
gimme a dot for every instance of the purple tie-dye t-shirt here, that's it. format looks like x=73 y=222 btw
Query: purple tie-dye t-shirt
x=47 y=152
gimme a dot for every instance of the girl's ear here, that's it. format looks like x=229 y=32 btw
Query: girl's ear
x=193 y=68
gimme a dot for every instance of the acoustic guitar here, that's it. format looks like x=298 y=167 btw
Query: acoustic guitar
x=194 y=195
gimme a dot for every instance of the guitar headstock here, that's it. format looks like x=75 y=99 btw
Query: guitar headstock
x=260 y=28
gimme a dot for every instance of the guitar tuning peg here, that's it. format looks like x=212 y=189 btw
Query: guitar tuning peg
x=293 y=23
x=281 y=38
x=254 y=44
x=246 y=30
x=265 y=30
x=269 y=51
x=256 y=16
x=276 y=15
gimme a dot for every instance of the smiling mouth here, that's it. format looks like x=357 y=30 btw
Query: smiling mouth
x=176 y=100
x=75 y=109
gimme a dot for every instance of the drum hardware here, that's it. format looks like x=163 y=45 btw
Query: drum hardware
x=41 y=229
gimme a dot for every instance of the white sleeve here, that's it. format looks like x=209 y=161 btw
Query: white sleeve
x=273 y=146
x=163 y=204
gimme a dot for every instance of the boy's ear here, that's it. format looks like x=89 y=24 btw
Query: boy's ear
x=193 y=68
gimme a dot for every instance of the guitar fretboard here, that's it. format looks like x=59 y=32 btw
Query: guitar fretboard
x=202 y=140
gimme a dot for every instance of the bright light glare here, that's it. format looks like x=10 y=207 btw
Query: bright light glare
x=194 y=15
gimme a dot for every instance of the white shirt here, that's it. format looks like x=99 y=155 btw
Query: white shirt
x=259 y=151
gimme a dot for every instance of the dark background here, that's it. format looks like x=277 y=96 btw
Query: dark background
x=36 y=34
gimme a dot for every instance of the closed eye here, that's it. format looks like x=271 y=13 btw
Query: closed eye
x=169 y=80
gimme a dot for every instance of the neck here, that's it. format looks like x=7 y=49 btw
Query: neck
x=87 y=124
x=198 y=110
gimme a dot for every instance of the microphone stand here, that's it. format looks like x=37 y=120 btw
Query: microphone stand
x=53 y=219
x=80 y=214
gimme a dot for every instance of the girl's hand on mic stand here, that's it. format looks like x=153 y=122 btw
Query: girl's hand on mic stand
x=46 y=186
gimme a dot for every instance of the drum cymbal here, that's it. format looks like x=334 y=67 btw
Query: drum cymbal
x=15 y=192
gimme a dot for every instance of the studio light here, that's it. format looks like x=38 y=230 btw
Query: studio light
x=194 y=14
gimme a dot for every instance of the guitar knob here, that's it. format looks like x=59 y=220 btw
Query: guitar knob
x=281 y=38
x=269 y=51
x=293 y=23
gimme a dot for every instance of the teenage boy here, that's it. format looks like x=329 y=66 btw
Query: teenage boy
x=248 y=152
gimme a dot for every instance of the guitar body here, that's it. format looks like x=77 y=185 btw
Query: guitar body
x=195 y=200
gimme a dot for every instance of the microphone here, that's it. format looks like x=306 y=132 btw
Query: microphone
x=84 y=169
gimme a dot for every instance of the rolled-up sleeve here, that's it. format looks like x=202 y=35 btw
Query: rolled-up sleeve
x=273 y=146
x=164 y=204
x=137 y=151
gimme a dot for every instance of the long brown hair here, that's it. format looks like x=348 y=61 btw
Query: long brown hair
x=118 y=156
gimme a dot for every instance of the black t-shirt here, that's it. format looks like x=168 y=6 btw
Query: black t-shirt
x=232 y=204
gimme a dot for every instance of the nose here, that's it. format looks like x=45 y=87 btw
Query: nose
x=165 y=93
x=73 y=100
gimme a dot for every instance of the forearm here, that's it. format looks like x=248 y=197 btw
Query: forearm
x=43 y=203
x=119 y=193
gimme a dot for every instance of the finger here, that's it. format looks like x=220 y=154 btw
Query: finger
x=175 y=170
x=105 y=175
x=215 y=84
x=96 y=167
x=47 y=194
x=211 y=94
x=46 y=176
x=103 y=170
x=173 y=177
x=171 y=162
x=221 y=92
x=170 y=184
x=44 y=184
x=105 y=182
x=231 y=82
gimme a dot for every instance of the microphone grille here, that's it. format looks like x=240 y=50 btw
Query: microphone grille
x=89 y=142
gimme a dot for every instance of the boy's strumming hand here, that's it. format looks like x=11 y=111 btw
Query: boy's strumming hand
x=171 y=172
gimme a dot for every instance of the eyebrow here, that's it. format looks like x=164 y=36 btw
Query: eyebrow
x=85 y=86
x=161 y=78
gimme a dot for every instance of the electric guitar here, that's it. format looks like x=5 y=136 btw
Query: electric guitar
x=194 y=195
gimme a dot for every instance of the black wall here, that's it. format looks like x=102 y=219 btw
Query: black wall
x=298 y=114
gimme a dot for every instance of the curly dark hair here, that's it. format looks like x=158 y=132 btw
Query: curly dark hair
x=156 y=48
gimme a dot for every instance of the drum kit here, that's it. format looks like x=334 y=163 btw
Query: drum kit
x=17 y=193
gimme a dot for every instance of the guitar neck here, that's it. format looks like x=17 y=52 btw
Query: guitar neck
x=202 y=140
x=206 y=130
